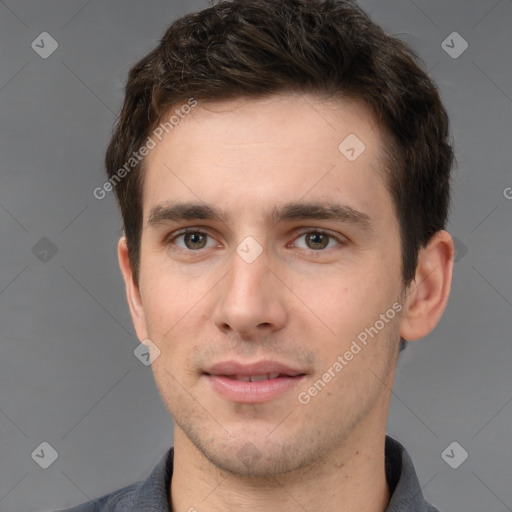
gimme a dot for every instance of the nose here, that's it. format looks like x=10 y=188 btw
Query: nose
x=250 y=300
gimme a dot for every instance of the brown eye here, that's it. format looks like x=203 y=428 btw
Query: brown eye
x=194 y=240
x=315 y=240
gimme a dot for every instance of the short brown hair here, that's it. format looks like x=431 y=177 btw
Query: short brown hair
x=331 y=48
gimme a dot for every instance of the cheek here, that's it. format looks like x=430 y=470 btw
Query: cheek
x=345 y=309
x=177 y=309
x=347 y=297
x=169 y=295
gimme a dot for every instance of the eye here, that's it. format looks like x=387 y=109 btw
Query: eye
x=317 y=240
x=193 y=240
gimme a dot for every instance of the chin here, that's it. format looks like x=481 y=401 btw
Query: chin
x=255 y=455
x=245 y=460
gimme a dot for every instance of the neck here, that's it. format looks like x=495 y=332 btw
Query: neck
x=351 y=478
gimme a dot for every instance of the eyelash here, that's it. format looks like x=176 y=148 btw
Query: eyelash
x=175 y=236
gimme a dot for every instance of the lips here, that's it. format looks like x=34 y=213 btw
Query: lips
x=261 y=370
x=256 y=378
x=252 y=383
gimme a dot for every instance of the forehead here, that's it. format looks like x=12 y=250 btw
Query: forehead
x=251 y=155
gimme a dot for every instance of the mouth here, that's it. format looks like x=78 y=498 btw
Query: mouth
x=254 y=382
x=258 y=378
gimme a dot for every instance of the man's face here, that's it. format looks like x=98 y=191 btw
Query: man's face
x=271 y=279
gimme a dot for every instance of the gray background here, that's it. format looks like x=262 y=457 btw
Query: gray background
x=68 y=375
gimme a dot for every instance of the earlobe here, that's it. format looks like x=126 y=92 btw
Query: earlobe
x=428 y=294
x=133 y=295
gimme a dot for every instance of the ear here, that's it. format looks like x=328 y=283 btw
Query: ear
x=132 y=291
x=427 y=295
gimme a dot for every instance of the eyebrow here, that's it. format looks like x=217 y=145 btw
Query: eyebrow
x=290 y=211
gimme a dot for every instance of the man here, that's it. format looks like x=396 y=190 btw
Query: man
x=283 y=170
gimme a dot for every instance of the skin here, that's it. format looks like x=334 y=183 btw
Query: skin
x=298 y=303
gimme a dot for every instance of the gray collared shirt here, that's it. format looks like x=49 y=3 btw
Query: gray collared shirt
x=152 y=495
